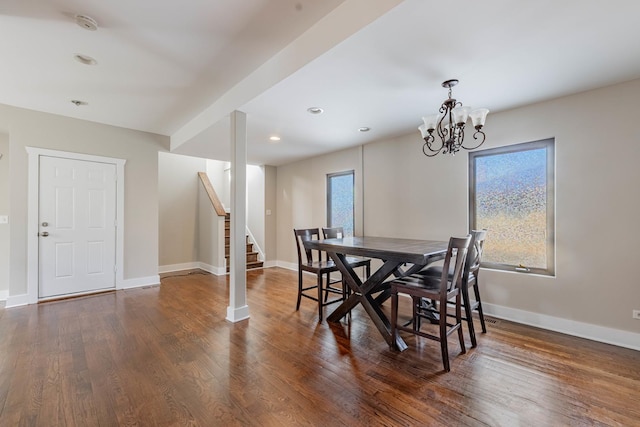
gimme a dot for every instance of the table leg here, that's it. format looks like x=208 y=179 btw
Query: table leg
x=362 y=294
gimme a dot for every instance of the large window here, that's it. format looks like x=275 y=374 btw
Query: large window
x=340 y=201
x=511 y=193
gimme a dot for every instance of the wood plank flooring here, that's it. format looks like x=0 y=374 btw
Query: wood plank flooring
x=166 y=356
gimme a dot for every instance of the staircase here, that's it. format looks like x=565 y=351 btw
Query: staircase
x=252 y=256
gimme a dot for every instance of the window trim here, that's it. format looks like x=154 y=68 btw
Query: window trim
x=329 y=191
x=549 y=144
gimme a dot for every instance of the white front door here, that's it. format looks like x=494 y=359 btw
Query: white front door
x=77 y=226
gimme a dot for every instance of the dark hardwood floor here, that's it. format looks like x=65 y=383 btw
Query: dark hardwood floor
x=165 y=356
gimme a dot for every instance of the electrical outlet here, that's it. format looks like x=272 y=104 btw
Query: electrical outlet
x=636 y=314
x=4 y=219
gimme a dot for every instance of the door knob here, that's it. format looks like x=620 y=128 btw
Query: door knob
x=44 y=234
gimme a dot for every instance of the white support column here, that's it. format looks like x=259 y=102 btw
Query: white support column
x=238 y=308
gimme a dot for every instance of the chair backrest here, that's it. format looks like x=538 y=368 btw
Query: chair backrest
x=302 y=235
x=454 y=261
x=333 y=233
x=474 y=255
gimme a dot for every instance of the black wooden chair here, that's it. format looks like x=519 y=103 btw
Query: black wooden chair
x=354 y=262
x=316 y=262
x=469 y=280
x=440 y=289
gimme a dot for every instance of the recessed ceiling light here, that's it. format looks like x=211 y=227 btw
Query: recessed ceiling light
x=274 y=138
x=78 y=103
x=315 y=110
x=86 y=22
x=84 y=59
x=364 y=129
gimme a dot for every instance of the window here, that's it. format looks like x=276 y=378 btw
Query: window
x=340 y=201
x=511 y=193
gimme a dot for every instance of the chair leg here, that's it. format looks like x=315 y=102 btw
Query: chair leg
x=415 y=301
x=443 y=337
x=394 y=317
x=469 y=314
x=459 y=323
x=326 y=293
x=320 y=304
x=476 y=291
x=299 y=289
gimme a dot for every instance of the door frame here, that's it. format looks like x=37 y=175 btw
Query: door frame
x=33 y=202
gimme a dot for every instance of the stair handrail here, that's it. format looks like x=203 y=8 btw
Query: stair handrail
x=215 y=201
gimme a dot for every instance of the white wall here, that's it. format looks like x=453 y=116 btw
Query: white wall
x=30 y=128
x=409 y=195
x=4 y=210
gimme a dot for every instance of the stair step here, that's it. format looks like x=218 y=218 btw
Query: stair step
x=252 y=256
x=227 y=249
x=227 y=240
x=251 y=265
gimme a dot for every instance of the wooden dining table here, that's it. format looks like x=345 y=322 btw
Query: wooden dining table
x=399 y=257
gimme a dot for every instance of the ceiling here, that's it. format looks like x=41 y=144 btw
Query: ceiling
x=179 y=68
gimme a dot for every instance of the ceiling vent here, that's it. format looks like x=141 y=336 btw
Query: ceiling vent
x=86 y=22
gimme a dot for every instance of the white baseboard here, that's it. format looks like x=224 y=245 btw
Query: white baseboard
x=139 y=282
x=571 y=327
x=270 y=264
x=216 y=271
x=21 y=300
x=4 y=295
x=17 y=300
x=178 y=267
x=288 y=265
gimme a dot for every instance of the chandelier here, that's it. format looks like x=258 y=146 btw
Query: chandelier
x=449 y=124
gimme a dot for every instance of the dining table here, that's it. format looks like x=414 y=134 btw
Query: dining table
x=400 y=257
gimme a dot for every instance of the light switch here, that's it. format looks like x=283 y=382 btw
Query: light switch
x=4 y=219
x=268 y=211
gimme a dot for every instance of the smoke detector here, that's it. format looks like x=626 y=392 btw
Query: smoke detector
x=84 y=59
x=86 y=22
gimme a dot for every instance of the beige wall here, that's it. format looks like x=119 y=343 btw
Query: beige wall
x=211 y=226
x=597 y=175
x=4 y=210
x=409 y=195
x=255 y=203
x=302 y=198
x=270 y=221
x=178 y=207
x=189 y=227
x=29 y=128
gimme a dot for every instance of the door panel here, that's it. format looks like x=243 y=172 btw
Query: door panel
x=77 y=208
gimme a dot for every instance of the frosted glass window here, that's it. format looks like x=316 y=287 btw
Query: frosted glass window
x=340 y=201
x=512 y=195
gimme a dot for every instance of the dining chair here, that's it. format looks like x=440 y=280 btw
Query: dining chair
x=441 y=289
x=316 y=262
x=469 y=280
x=338 y=233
